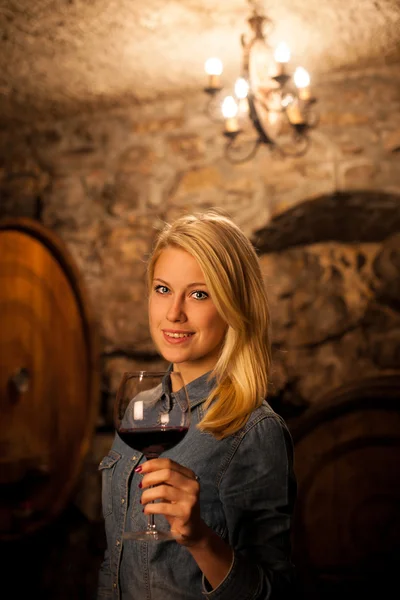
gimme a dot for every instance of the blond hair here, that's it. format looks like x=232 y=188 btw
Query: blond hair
x=233 y=276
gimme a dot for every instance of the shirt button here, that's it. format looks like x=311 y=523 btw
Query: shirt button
x=134 y=457
x=117 y=543
x=114 y=585
x=123 y=501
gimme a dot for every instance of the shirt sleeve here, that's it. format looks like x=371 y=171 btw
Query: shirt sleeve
x=258 y=491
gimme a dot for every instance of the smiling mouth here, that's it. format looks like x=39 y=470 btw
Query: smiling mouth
x=177 y=335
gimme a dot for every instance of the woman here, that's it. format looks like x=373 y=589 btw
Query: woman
x=228 y=489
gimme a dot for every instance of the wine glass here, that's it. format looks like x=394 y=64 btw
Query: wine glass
x=151 y=415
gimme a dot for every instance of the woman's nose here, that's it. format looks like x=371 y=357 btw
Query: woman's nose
x=176 y=311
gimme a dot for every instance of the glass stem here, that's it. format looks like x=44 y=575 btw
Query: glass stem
x=151 y=526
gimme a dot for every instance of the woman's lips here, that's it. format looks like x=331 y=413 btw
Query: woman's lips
x=175 y=337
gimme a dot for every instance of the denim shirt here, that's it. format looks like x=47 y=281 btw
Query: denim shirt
x=247 y=495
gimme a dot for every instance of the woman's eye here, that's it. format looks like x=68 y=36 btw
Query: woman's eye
x=161 y=289
x=199 y=295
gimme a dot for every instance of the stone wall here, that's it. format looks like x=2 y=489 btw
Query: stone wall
x=336 y=318
x=105 y=183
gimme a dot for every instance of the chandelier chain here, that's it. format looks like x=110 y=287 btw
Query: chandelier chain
x=257 y=6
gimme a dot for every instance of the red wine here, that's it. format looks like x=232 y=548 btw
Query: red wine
x=152 y=441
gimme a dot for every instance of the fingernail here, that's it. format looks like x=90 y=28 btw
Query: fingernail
x=138 y=469
x=140 y=484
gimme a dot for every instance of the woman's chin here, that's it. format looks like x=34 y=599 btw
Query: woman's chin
x=175 y=357
x=173 y=354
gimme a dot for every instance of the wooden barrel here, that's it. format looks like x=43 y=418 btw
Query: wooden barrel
x=49 y=376
x=346 y=535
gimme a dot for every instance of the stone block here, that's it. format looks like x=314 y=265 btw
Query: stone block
x=195 y=180
x=136 y=159
x=357 y=175
x=157 y=125
x=391 y=140
x=189 y=146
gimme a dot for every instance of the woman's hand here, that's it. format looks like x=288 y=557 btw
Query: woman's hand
x=178 y=491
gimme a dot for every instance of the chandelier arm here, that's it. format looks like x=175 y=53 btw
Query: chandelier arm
x=294 y=151
x=264 y=99
x=312 y=116
x=231 y=157
x=211 y=110
x=301 y=139
x=264 y=137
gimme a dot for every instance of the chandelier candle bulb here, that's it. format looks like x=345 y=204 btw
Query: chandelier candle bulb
x=230 y=111
x=231 y=125
x=241 y=88
x=213 y=68
x=214 y=82
x=302 y=82
x=282 y=57
x=243 y=105
x=304 y=93
x=241 y=92
x=294 y=113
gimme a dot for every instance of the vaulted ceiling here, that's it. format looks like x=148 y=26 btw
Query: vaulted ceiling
x=59 y=57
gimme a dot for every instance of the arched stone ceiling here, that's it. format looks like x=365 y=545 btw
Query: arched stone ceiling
x=62 y=56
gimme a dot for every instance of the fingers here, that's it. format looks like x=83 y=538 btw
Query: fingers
x=171 y=503
x=160 y=470
x=168 y=510
x=156 y=464
x=175 y=487
x=173 y=478
x=183 y=515
x=167 y=493
x=172 y=490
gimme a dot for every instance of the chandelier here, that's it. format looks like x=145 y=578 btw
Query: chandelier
x=281 y=108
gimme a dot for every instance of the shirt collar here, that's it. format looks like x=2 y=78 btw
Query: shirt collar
x=199 y=389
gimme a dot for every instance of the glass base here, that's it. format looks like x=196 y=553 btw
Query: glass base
x=150 y=536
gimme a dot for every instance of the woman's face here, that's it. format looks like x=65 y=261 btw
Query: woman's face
x=184 y=322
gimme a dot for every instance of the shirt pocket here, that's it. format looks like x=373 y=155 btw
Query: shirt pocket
x=107 y=468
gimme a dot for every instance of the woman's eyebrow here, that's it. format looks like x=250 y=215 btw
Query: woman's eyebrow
x=195 y=284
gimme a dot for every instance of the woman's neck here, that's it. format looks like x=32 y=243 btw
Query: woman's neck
x=191 y=372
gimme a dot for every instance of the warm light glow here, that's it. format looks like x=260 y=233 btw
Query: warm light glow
x=241 y=88
x=288 y=99
x=213 y=66
x=301 y=78
x=282 y=53
x=243 y=106
x=273 y=117
x=294 y=113
x=229 y=107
